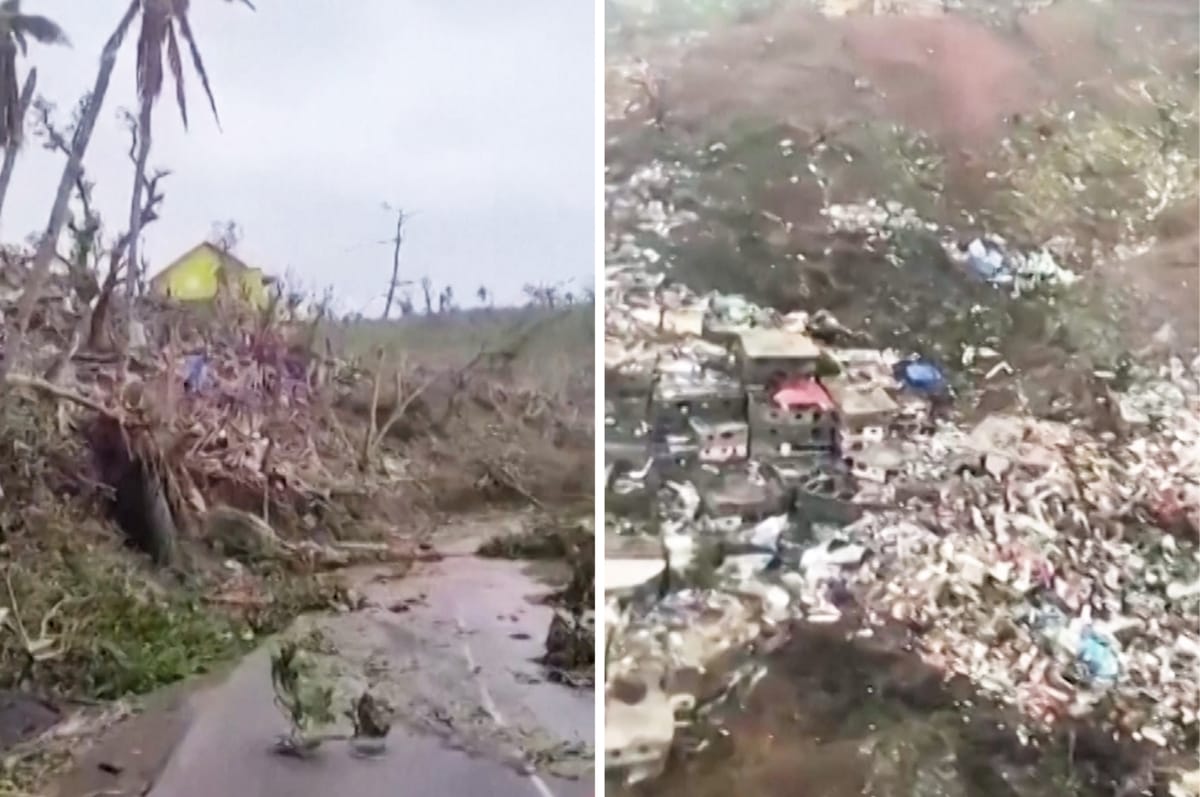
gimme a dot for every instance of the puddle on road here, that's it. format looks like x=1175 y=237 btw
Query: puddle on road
x=839 y=718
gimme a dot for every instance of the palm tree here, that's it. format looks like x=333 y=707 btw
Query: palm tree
x=71 y=170
x=482 y=293
x=15 y=31
x=159 y=20
x=10 y=152
x=164 y=23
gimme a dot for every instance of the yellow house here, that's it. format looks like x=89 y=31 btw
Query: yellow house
x=196 y=276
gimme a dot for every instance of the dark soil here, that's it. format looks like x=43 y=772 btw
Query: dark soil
x=840 y=717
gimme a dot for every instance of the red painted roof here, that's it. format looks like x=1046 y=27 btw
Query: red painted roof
x=802 y=393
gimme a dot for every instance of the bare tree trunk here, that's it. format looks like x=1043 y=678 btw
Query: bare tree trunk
x=10 y=154
x=427 y=289
x=391 y=294
x=96 y=339
x=79 y=144
x=98 y=336
x=132 y=268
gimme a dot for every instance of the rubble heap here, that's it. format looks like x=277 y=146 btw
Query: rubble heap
x=764 y=469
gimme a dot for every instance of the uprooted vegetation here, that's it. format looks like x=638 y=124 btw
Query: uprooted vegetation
x=550 y=539
x=166 y=507
x=518 y=380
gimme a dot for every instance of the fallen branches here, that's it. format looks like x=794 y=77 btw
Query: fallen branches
x=502 y=475
x=225 y=408
x=375 y=436
x=57 y=392
x=43 y=647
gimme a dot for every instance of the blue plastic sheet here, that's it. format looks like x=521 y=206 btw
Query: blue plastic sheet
x=922 y=376
x=1098 y=658
x=196 y=369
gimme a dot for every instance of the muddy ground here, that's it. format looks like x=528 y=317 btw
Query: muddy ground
x=882 y=723
x=765 y=120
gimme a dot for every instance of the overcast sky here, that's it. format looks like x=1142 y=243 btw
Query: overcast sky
x=476 y=116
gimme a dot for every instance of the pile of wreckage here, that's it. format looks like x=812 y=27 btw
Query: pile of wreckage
x=199 y=409
x=760 y=472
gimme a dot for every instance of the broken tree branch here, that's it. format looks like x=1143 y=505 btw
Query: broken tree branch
x=85 y=234
x=55 y=391
x=369 y=439
x=60 y=142
x=376 y=434
x=116 y=263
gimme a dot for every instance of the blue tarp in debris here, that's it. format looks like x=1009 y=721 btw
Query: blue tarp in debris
x=1097 y=657
x=196 y=371
x=923 y=376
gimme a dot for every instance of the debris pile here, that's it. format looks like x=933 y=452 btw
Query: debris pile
x=227 y=417
x=224 y=404
x=766 y=468
x=982 y=464
x=228 y=430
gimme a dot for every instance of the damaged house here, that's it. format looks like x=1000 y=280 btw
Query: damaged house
x=770 y=356
x=792 y=416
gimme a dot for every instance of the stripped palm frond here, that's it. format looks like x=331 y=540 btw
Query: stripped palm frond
x=16 y=25
x=176 y=62
x=15 y=31
x=39 y=28
x=185 y=28
x=164 y=23
x=156 y=21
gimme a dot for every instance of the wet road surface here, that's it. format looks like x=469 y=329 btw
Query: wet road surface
x=461 y=635
x=227 y=750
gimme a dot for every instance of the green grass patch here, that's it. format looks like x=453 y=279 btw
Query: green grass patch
x=97 y=627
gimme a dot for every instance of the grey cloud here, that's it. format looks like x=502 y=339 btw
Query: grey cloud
x=477 y=115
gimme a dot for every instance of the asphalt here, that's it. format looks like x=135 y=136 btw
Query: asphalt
x=459 y=635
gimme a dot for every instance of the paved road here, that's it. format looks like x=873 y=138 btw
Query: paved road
x=226 y=752
x=465 y=645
